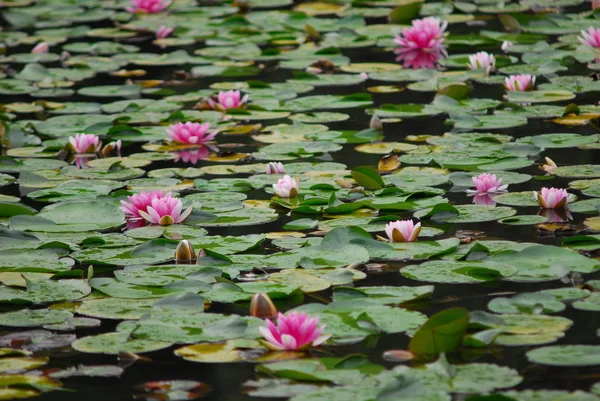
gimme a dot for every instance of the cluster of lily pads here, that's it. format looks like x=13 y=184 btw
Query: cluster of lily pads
x=226 y=220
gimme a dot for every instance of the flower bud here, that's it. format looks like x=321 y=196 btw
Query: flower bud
x=262 y=306
x=185 y=253
x=376 y=123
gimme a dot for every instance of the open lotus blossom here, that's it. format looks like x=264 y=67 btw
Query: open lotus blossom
x=484 y=199
x=286 y=187
x=275 y=168
x=148 y=6
x=402 y=230
x=506 y=45
x=487 y=183
x=139 y=202
x=165 y=211
x=228 y=100
x=192 y=156
x=523 y=82
x=163 y=32
x=591 y=37
x=549 y=166
x=41 y=48
x=295 y=332
x=553 y=198
x=422 y=44
x=483 y=60
x=84 y=143
x=190 y=133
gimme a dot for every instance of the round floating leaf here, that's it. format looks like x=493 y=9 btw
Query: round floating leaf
x=566 y=355
x=114 y=343
x=32 y=318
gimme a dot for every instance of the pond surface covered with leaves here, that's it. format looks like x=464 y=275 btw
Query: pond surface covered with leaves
x=421 y=177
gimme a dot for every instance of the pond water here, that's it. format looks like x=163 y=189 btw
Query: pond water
x=94 y=306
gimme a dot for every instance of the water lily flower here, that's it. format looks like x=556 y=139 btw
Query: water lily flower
x=483 y=60
x=422 y=44
x=549 y=166
x=487 y=183
x=139 y=202
x=364 y=75
x=84 y=143
x=40 y=48
x=506 y=45
x=64 y=55
x=228 y=100
x=484 y=199
x=591 y=37
x=185 y=253
x=261 y=306
x=523 y=82
x=192 y=156
x=112 y=148
x=275 y=168
x=286 y=187
x=595 y=4
x=402 y=230
x=148 y=6
x=295 y=332
x=553 y=198
x=163 y=32
x=376 y=123
x=190 y=133
x=165 y=211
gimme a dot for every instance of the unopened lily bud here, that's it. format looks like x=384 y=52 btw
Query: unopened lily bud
x=112 y=149
x=201 y=254
x=262 y=307
x=185 y=252
x=376 y=123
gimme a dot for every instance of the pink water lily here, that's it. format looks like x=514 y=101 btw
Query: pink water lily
x=286 y=187
x=595 y=4
x=275 y=168
x=294 y=332
x=523 y=82
x=506 y=45
x=483 y=60
x=228 y=100
x=148 y=6
x=549 y=166
x=163 y=32
x=553 y=198
x=190 y=133
x=84 y=143
x=139 y=202
x=591 y=37
x=402 y=230
x=165 y=211
x=422 y=44
x=487 y=183
x=41 y=48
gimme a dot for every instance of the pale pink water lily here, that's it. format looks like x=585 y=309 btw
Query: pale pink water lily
x=483 y=60
x=165 y=211
x=286 y=187
x=595 y=4
x=422 y=44
x=139 y=202
x=402 y=230
x=163 y=32
x=275 y=168
x=295 y=332
x=506 y=45
x=553 y=198
x=484 y=199
x=591 y=37
x=231 y=99
x=523 y=82
x=190 y=133
x=193 y=156
x=148 y=6
x=487 y=183
x=65 y=56
x=364 y=75
x=41 y=48
x=549 y=166
x=84 y=143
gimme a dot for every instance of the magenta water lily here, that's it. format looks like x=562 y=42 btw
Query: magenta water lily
x=190 y=133
x=287 y=187
x=295 y=331
x=553 y=198
x=139 y=202
x=165 y=211
x=402 y=231
x=591 y=37
x=422 y=44
x=228 y=100
x=148 y=6
x=487 y=183
x=84 y=143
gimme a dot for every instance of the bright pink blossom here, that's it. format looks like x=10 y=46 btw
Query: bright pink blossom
x=295 y=332
x=139 y=202
x=402 y=230
x=84 y=143
x=41 y=48
x=591 y=37
x=148 y=6
x=286 y=187
x=552 y=198
x=422 y=44
x=487 y=183
x=228 y=100
x=163 y=32
x=275 y=168
x=190 y=133
x=523 y=82
x=165 y=211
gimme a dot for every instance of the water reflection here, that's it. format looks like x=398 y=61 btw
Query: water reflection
x=194 y=156
x=82 y=161
x=484 y=199
x=419 y=58
x=556 y=215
